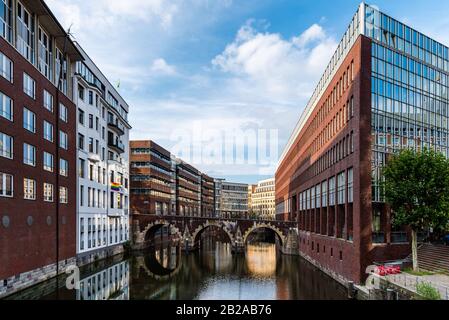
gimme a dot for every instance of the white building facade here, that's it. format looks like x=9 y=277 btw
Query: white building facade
x=263 y=200
x=103 y=164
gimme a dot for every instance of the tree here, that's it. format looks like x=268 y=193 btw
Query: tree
x=416 y=188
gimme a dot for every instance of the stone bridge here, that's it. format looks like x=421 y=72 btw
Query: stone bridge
x=188 y=230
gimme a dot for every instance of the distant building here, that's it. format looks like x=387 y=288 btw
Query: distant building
x=231 y=199
x=263 y=200
x=163 y=184
x=251 y=190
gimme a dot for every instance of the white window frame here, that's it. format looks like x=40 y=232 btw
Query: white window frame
x=65 y=172
x=3 y=101
x=28 y=154
x=3 y=153
x=63 y=112
x=47 y=196
x=5 y=64
x=29 y=86
x=48 y=156
x=30 y=117
x=63 y=140
x=48 y=101
x=3 y=176
x=26 y=189
x=47 y=125
x=64 y=200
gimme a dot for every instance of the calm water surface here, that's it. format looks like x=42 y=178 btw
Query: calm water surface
x=210 y=273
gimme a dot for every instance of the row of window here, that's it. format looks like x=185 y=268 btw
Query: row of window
x=341 y=190
x=317 y=247
x=334 y=124
x=29 y=155
x=29 y=189
x=336 y=153
x=395 y=34
x=97 y=232
x=26 y=43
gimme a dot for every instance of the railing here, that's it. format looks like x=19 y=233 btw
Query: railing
x=410 y=282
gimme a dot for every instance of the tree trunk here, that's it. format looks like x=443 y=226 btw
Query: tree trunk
x=415 y=250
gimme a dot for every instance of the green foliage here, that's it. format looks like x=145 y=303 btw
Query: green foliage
x=427 y=291
x=417 y=189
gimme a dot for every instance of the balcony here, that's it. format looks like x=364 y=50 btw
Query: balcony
x=116 y=126
x=116 y=145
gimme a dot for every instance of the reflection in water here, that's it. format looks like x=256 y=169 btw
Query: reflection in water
x=261 y=259
x=211 y=273
x=109 y=284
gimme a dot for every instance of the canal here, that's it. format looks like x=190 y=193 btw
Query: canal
x=212 y=272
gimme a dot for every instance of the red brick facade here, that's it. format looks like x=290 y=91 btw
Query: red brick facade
x=26 y=246
x=336 y=138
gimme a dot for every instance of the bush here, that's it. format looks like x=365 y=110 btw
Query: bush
x=427 y=291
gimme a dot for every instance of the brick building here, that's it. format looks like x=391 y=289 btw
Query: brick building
x=384 y=89
x=37 y=145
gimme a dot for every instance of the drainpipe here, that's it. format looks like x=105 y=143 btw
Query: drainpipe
x=58 y=148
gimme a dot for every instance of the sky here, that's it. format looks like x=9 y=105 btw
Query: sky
x=222 y=83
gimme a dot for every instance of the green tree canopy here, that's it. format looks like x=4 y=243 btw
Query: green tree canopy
x=417 y=189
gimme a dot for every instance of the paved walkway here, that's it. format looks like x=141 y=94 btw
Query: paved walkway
x=438 y=281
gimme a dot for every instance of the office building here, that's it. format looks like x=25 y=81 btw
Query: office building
x=103 y=163
x=37 y=145
x=262 y=204
x=385 y=88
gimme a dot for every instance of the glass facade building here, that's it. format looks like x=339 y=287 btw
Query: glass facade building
x=384 y=89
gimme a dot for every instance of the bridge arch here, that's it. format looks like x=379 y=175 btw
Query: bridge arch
x=264 y=225
x=156 y=225
x=202 y=227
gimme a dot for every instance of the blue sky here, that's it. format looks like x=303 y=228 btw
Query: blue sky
x=222 y=66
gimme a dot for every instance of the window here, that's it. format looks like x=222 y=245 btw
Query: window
x=48 y=131
x=48 y=161
x=81 y=195
x=48 y=192
x=6 y=20
x=341 y=187
x=81 y=92
x=81 y=116
x=29 y=189
x=6 y=185
x=63 y=195
x=29 y=86
x=6 y=146
x=61 y=65
x=350 y=185
x=6 y=66
x=25 y=33
x=91 y=97
x=48 y=101
x=63 y=112
x=29 y=120
x=80 y=141
x=45 y=52
x=63 y=140
x=91 y=145
x=29 y=154
x=81 y=170
x=63 y=167
x=91 y=121
x=6 y=107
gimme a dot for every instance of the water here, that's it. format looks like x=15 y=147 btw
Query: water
x=210 y=273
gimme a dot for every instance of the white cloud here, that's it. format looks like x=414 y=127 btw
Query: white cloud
x=283 y=70
x=161 y=67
